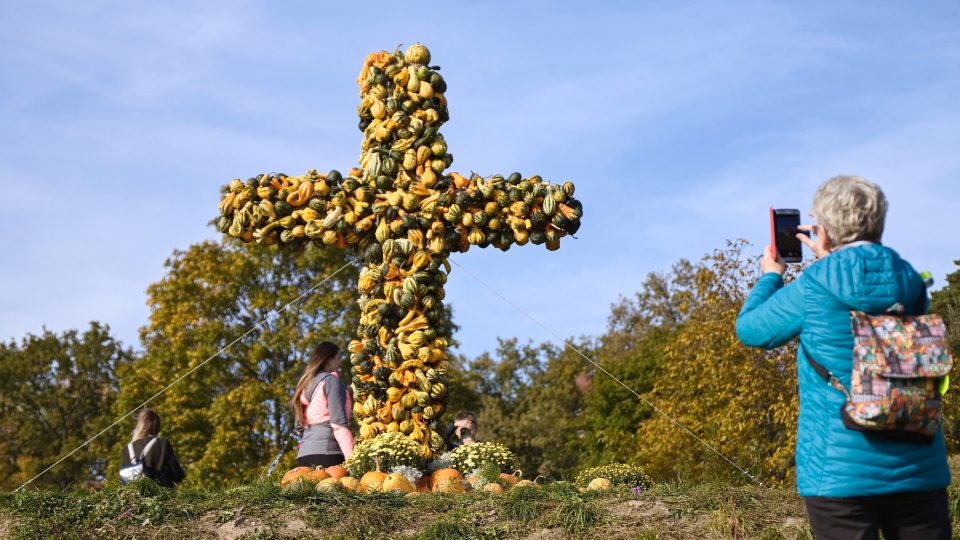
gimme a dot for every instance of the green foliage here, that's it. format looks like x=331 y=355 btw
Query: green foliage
x=946 y=302
x=575 y=514
x=620 y=474
x=556 y=508
x=530 y=401
x=228 y=418
x=632 y=352
x=742 y=401
x=57 y=391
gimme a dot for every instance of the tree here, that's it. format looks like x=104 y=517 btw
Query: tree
x=530 y=400
x=740 y=400
x=228 y=418
x=946 y=302
x=632 y=352
x=57 y=391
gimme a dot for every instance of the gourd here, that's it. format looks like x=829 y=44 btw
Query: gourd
x=372 y=481
x=600 y=484
x=397 y=482
x=293 y=475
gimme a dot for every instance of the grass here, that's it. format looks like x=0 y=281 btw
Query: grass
x=263 y=511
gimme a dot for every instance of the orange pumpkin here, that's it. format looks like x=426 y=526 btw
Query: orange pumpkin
x=508 y=480
x=444 y=474
x=372 y=481
x=397 y=482
x=293 y=475
x=337 y=471
x=423 y=484
x=449 y=484
x=493 y=487
x=315 y=476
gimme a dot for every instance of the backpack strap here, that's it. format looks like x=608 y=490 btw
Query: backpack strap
x=323 y=377
x=828 y=377
x=147 y=448
x=133 y=457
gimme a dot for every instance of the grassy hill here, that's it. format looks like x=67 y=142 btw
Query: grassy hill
x=262 y=511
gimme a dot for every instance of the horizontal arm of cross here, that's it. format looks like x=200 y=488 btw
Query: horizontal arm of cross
x=294 y=210
x=502 y=211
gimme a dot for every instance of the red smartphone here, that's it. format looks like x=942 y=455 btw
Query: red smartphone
x=784 y=223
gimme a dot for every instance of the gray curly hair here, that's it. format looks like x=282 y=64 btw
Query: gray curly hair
x=851 y=208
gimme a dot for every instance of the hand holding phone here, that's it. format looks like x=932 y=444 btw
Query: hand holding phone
x=784 y=228
x=816 y=240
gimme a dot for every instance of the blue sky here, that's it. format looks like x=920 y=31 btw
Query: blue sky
x=679 y=122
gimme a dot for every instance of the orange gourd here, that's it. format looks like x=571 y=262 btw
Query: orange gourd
x=423 y=485
x=443 y=474
x=316 y=476
x=493 y=487
x=372 y=481
x=293 y=475
x=397 y=482
x=447 y=481
x=337 y=471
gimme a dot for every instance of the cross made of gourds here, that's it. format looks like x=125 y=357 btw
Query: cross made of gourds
x=405 y=215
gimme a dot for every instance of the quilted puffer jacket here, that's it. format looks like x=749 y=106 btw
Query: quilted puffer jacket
x=833 y=461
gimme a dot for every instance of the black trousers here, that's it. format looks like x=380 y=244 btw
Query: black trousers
x=901 y=516
x=321 y=460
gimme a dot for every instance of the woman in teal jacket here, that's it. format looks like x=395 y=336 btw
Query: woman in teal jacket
x=853 y=483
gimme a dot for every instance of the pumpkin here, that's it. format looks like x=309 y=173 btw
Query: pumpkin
x=599 y=484
x=423 y=485
x=316 y=476
x=350 y=483
x=525 y=483
x=449 y=484
x=508 y=480
x=397 y=482
x=293 y=475
x=472 y=480
x=444 y=475
x=372 y=481
x=493 y=487
x=329 y=484
x=337 y=471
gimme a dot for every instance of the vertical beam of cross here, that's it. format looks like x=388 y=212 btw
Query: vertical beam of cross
x=406 y=216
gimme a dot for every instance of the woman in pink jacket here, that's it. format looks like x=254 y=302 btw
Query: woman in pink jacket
x=322 y=406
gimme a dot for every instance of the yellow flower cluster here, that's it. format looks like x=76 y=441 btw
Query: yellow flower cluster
x=620 y=474
x=468 y=457
x=384 y=452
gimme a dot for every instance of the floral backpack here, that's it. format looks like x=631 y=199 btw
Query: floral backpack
x=901 y=369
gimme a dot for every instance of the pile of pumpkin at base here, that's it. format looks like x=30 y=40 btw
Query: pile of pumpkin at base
x=384 y=464
x=391 y=462
x=447 y=480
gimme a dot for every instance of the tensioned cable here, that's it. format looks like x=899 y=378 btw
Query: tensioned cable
x=634 y=392
x=327 y=278
x=198 y=366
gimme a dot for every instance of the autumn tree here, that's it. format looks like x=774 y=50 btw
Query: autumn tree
x=740 y=400
x=228 y=418
x=530 y=397
x=57 y=391
x=632 y=351
x=946 y=302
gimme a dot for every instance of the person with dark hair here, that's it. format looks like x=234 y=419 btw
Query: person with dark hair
x=149 y=455
x=322 y=407
x=462 y=431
